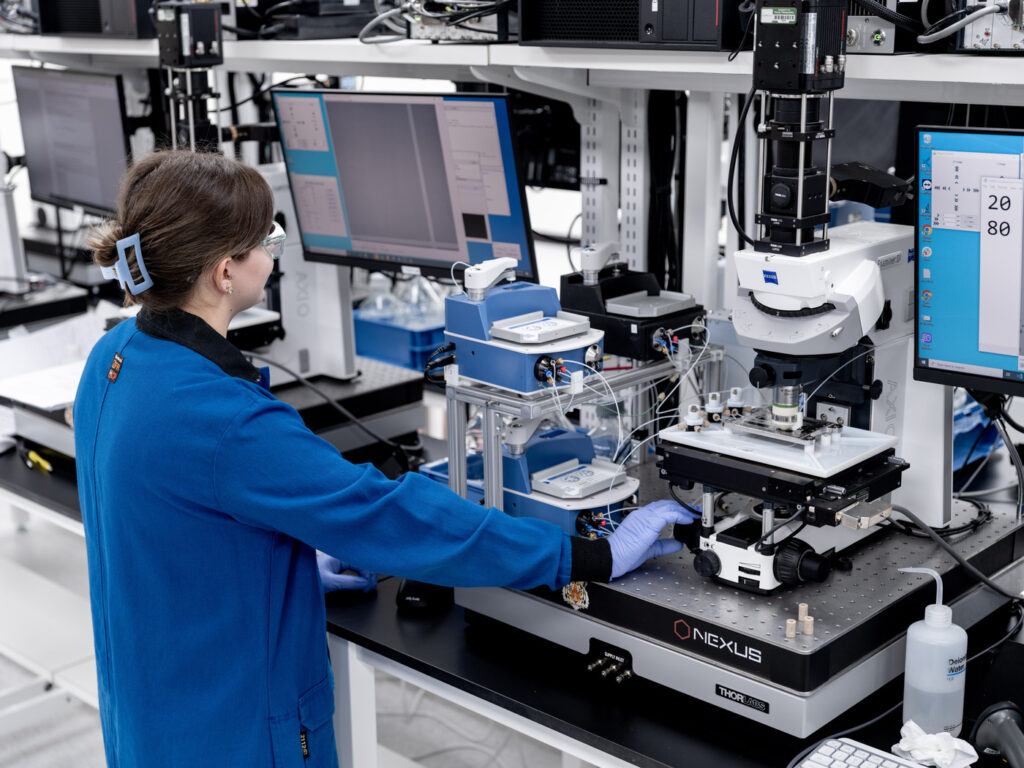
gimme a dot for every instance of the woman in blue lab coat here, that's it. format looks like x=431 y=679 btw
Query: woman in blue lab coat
x=203 y=499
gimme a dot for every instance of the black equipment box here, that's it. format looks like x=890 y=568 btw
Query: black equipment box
x=110 y=18
x=190 y=34
x=800 y=46
x=697 y=25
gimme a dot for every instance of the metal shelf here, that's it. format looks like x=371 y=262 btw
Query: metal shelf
x=405 y=58
x=965 y=78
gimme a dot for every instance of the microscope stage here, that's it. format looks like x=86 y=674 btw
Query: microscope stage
x=817 y=454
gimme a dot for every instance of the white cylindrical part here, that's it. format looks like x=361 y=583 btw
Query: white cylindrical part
x=791 y=628
x=801 y=611
x=933 y=689
x=807 y=625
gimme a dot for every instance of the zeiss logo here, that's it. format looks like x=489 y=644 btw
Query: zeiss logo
x=685 y=632
x=770 y=277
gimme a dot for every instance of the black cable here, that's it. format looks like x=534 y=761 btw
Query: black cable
x=1009 y=420
x=974 y=445
x=743 y=40
x=247 y=34
x=954 y=16
x=554 y=238
x=983 y=516
x=397 y=448
x=776 y=528
x=278 y=7
x=901 y=21
x=268 y=31
x=1013 y=631
x=680 y=502
x=266 y=89
x=978 y=575
x=661 y=149
x=732 y=166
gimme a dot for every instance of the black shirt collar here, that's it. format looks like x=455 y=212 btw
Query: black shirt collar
x=193 y=332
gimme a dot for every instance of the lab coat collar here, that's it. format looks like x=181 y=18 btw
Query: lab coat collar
x=193 y=332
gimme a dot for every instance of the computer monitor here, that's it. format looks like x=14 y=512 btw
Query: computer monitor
x=969 y=243
x=388 y=181
x=75 y=134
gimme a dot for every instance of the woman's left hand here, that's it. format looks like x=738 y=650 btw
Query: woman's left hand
x=333 y=575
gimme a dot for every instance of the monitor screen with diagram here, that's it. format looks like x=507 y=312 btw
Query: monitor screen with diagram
x=969 y=286
x=390 y=181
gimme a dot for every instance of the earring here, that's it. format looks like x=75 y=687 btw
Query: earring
x=230 y=289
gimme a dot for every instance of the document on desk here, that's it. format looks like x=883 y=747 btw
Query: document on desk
x=70 y=339
x=46 y=389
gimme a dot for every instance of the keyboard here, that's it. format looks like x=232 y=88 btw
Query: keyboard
x=847 y=753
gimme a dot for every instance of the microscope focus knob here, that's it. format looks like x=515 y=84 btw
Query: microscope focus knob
x=875 y=390
x=706 y=563
x=796 y=562
x=762 y=376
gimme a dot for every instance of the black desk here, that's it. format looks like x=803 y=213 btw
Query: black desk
x=639 y=723
x=43 y=304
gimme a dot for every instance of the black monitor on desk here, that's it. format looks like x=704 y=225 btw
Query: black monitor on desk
x=388 y=181
x=75 y=134
x=969 y=241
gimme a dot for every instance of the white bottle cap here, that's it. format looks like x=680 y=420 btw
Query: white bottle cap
x=938 y=615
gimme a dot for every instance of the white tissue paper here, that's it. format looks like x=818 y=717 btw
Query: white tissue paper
x=940 y=749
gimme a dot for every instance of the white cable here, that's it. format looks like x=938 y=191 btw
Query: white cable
x=956 y=26
x=382 y=19
x=985 y=491
x=391 y=24
x=611 y=393
x=873 y=348
x=452 y=273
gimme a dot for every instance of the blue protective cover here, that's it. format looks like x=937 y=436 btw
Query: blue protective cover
x=475 y=318
x=481 y=360
x=544 y=449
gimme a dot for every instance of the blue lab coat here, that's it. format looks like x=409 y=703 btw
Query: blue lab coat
x=203 y=497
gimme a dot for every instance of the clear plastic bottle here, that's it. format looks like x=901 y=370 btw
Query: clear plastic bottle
x=424 y=306
x=381 y=304
x=936 y=666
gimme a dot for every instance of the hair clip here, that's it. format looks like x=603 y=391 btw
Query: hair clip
x=120 y=270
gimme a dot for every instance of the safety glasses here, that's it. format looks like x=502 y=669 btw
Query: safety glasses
x=273 y=243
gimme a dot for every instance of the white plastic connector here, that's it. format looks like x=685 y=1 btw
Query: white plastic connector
x=714 y=405
x=594 y=257
x=479 y=278
x=736 y=398
x=576 y=382
x=451 y=375
x=693 y=417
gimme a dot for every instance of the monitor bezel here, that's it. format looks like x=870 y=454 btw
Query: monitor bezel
x=971 y=381
x=367 y=260
x=66 y=202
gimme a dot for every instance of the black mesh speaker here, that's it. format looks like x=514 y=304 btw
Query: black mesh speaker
x=110 y=18
x=580 y=20
x=675 y=24
x=70 y=17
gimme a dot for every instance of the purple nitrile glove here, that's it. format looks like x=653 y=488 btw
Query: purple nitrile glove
x=333 y=576
x=635 y=540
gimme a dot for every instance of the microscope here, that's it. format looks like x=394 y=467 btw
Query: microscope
x=829 y=314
